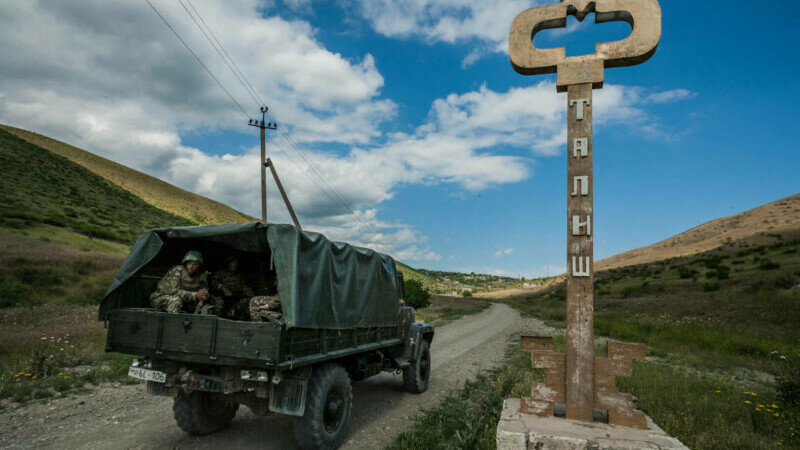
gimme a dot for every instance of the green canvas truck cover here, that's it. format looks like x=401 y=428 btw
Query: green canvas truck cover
x=322 y=284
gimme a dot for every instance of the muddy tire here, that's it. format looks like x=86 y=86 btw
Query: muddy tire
x=329 y=401
x=417 y=375
x=201 y=413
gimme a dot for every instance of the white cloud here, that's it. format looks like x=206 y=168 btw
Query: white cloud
x=443 y=20
x=500 y=253
x=109 y=77
x=674 y=95
x=447 y=21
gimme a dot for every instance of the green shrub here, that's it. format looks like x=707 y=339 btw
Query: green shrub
x=686 y=272
x=466 y=293
x=12 y=293
x=417 y=295
x=720 y=272
x=82 y=266
x=788 y=380
x=767 y=264
x=37 y=277
x=710 y=287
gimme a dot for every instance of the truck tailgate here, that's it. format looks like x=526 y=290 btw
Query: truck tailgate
x=193 y=338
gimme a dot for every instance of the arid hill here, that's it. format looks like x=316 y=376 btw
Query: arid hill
x=761 y=225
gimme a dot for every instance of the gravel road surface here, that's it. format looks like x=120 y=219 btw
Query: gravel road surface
x=124 y=417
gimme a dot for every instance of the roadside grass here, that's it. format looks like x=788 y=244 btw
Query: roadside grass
x=708 y=412
x=722 y=327
x=703 y=411
x=56 y=365
x=467 y=419
x=444 y=310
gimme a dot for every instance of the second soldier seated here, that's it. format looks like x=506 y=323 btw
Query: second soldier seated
x=229 y=283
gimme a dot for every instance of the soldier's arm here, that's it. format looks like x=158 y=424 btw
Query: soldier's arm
x=171 y=285
x=216 y=283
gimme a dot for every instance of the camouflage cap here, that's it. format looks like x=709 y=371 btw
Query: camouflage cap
x=192 y=255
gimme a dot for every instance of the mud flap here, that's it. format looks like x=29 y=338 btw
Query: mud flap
x=288 y=396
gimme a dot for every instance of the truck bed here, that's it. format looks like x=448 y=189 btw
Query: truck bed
x=206 y=339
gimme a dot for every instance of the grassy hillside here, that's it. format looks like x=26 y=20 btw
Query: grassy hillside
x=195 y=208
x=757 y=226
x=38 y=187
x=412 y=274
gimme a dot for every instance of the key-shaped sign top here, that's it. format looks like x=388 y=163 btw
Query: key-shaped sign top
x=644 y=17
x=576 y=377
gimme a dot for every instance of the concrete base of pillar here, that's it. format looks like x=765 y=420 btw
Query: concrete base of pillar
x=517 y=431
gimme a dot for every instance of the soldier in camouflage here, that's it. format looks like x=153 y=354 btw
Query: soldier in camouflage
x=182 y=287
x=265 y=308
x=236 y=295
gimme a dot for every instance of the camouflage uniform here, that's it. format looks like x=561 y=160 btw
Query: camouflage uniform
x=177 y=290
x=265 y=308
x=235 y=306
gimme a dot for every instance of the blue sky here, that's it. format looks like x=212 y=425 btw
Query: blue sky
x=444 y=156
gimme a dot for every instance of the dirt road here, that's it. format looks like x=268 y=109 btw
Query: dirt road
x=125 y=418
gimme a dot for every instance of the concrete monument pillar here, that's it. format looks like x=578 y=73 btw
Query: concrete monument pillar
x=577 y=378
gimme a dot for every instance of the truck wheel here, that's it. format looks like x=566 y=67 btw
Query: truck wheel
x=201 y=413
x=328 y=403
x=417 y=375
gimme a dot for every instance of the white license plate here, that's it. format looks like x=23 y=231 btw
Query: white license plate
x=147 y=374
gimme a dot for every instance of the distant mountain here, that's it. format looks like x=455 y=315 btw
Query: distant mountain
x=160 y=194
x=778 y=220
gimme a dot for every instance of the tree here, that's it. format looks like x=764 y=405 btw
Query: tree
x=417 y=295
x=466 y=293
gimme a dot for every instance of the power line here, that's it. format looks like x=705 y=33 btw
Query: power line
x=329 y=190
x=342 y=201
x=219 y=52
x=198 y=59
x=260 y=101
x=339 y=200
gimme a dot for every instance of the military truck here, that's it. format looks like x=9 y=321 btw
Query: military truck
x=341 y=321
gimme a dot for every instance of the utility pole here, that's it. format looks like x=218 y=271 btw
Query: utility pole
x=263 y=126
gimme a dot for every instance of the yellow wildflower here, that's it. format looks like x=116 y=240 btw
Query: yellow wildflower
x=776 y=415
x=717 y=391
x=774 y=406
x=748 y=402
x=758 y=409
